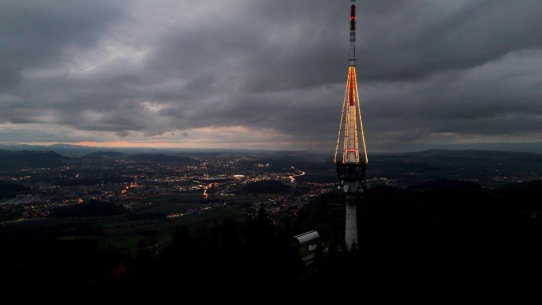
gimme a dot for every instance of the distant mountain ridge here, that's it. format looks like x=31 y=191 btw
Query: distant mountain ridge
x=160 y=158
x=10 y=160
x=533 y=147
x=103 y=154
x=471 y=153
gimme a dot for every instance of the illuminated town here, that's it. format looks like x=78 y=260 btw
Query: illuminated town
x=159 y=188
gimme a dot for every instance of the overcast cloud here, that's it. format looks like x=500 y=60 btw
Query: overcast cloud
x=268 y=73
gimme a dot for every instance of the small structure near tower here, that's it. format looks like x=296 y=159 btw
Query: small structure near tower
x=306 y=244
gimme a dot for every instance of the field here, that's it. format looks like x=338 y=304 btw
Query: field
x=170 y=203
x=147 y=224
x=177 y=198
x=126 y=235
x=122 y=233
x=243 y=199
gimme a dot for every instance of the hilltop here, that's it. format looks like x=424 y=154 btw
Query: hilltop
x=10 y=160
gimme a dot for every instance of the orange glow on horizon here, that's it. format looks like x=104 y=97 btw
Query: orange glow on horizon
x=195 y=145
x=210 y=137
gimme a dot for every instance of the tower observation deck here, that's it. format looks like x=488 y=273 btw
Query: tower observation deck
x=351 y=152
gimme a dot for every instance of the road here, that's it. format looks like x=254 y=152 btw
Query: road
x=301 y=173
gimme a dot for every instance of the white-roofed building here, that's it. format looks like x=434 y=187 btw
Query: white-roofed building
x=305 y=244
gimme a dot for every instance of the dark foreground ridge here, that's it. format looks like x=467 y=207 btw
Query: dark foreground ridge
x=428 y=235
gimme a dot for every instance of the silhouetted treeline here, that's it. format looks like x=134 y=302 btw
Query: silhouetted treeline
x=230 y=255
x=406 y=238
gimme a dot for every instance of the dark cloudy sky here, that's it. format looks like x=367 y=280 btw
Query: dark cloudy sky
x=268 y=74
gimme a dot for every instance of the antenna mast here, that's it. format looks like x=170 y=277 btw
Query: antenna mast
x=352 y=165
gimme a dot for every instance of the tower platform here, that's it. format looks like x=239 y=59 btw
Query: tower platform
x=351 y=172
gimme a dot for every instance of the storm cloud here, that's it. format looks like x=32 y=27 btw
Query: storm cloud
x=268 y=74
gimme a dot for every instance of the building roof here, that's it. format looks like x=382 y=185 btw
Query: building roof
x=306 y=237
